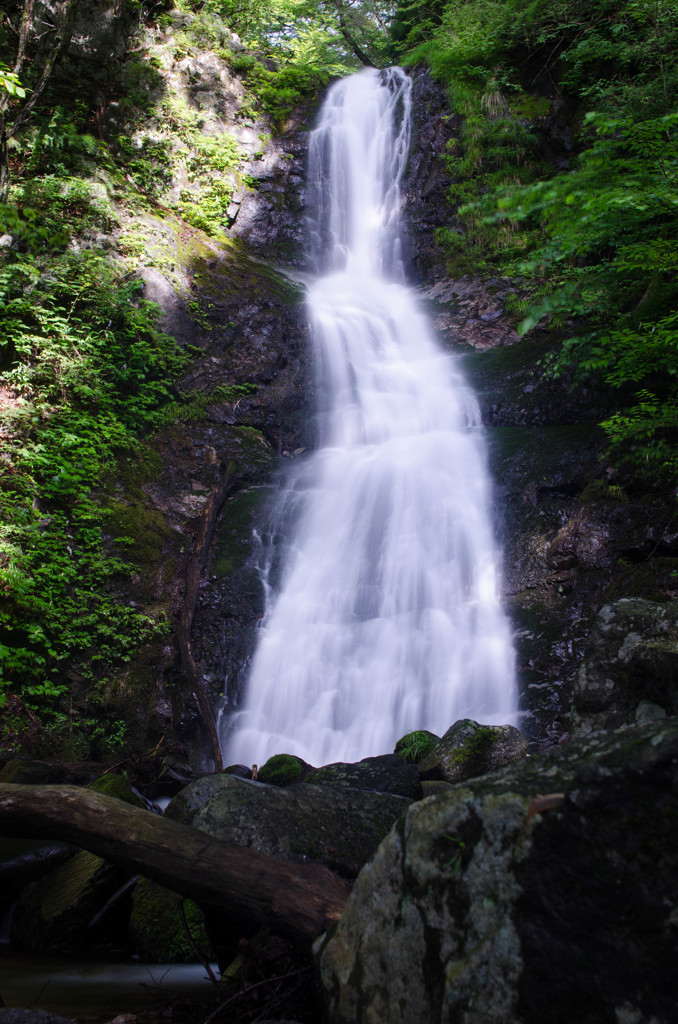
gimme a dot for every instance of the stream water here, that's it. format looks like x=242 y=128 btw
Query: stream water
x=380 y=566
x=97 y=988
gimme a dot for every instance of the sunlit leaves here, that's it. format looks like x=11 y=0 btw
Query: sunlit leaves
x=9 y=82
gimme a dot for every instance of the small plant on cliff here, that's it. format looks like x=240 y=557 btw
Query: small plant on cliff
x=415 y=746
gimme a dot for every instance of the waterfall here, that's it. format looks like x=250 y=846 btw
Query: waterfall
x=386 y=616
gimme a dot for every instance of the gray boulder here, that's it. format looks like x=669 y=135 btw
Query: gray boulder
x=468 y=750
x=338 y=827
x=544 y=892
x=387 y=773
x=630 y=669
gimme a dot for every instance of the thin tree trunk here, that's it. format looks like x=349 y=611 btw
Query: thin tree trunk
x=360 y=53
x=296 y=900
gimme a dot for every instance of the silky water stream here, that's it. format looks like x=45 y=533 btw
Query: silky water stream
x=386 y=615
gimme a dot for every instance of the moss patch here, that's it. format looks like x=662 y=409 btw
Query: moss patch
x=156 y=928
x=232 y=546
x=283 y=770
x=114 y=785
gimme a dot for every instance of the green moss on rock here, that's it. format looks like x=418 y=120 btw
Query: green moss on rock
x=468 y=750
x=283 y=770
x=114 y=785
x=156 y=929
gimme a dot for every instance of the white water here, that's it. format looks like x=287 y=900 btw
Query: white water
x=387 y=617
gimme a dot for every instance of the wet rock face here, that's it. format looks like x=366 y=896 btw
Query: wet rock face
x=597 y=918
x=543 y=892
x=630 y=669
x=269 y=213
x=426 y=180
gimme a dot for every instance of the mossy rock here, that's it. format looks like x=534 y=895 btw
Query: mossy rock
x=283 y=770
x=156 y=930
x=468 y=750
x=54 y=914
x=413 y=747
x=114 y=785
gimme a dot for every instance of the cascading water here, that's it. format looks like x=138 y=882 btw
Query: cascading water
x=387 y=616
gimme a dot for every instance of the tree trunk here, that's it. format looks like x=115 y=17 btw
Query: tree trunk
x=350 y=39
x=296 y=900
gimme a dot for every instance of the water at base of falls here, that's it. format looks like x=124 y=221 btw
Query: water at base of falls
x=387 y=616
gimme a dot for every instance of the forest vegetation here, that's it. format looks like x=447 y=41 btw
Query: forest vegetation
x=564 y=179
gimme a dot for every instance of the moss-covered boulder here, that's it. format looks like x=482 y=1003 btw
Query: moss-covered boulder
x=413 y=747
x=157 y=932
x=387 y=773
x=55 y=914
x=468 y=749
x=283 y=770
x=333 y=825
x=114 y=785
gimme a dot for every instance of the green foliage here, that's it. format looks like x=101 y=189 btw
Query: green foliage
x=55 y=207
x=295 y=46
x=596 y=246
x=9 y=83
x=611 y=256
x=89 y=372
x=415 y=746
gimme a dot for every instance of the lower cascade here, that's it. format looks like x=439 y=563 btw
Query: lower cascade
x=386 y=615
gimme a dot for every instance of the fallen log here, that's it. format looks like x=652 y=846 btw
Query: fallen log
x=296 y=900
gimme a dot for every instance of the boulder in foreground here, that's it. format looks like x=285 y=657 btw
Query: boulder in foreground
x=544 y=892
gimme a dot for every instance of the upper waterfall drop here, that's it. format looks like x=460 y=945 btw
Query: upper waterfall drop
x=387 y=616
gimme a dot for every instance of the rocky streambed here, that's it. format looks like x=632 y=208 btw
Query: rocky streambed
x=491 y=883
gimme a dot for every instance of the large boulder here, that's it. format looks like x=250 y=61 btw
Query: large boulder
x=544 y=892
x=386 y=773
x=56 y=913
x=630 y=669
x=338 y=827
x=468 y=749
